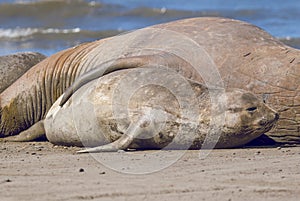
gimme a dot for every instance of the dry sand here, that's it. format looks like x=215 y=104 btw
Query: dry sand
x=41 y=171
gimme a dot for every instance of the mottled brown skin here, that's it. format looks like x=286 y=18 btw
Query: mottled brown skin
x=247 y=57
x=14 y=66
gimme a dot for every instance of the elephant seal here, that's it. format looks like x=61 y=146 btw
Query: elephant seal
x=245 y=57
x=14 y=66
x=104 y=113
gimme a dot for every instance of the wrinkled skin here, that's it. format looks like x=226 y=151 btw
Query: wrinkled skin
x=28 y=99
x=246 y=57
x=155 y=112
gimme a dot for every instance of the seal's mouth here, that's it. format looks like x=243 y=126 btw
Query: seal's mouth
x=277 y=116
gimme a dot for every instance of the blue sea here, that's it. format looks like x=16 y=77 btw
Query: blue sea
x=48 y=26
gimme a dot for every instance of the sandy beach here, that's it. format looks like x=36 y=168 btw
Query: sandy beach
x=42 y=171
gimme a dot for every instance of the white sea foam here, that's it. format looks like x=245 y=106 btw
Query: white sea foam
x=27 y=32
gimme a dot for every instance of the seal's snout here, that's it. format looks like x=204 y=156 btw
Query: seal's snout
x=269 y=117
x=274 y=115
x=263 y=122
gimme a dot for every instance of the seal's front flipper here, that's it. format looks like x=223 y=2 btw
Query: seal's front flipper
x=34 y=132
x=100 y=70
x=145 y=124
x=121 y=144
x=164 y=58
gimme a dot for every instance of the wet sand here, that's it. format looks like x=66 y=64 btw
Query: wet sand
x=42 y=171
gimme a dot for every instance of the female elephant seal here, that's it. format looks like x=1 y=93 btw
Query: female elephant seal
x=155 y=113
x=245 y=56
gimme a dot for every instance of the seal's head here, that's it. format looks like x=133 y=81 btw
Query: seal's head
x=246 y=118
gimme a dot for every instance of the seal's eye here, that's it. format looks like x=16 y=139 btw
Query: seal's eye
x=251 y=109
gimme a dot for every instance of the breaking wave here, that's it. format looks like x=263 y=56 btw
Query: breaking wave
x=28 y=32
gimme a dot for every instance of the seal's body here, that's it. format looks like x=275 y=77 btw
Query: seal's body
x=169 y=114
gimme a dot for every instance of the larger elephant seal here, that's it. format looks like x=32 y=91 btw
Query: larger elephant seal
x=149 y=114
x=14 y=66
x=246 y=57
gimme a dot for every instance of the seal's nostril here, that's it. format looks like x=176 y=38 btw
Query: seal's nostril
x=263 y=122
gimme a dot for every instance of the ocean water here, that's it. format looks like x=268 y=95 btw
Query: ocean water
x=48 y=26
